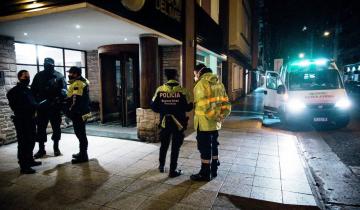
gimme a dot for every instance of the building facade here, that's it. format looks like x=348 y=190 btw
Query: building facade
x=123 y=46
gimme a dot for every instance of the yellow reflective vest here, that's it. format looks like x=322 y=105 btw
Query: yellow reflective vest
x=211 y=103
x=78 y=98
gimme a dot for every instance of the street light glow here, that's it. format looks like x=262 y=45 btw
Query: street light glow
x=301 y=55
x=326 y=33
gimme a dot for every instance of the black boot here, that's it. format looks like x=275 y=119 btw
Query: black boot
x=27 y=170
x=175 y=173
x=161 y=169
x=214 y=167
x=203 y=175
x=35 y=163
x=56 y=148
x=83 y=157
x=77 y=155
x=41 y=153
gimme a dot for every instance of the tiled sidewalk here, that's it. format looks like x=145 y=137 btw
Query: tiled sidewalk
x=123 y=175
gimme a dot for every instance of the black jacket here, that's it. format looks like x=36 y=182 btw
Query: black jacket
x=50 y=85
x=22 y=101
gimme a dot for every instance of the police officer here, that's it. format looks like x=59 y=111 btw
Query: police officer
x=172 y=102
x=211 y=107
x=23 y=104
x=79 y=110
x=50 y=85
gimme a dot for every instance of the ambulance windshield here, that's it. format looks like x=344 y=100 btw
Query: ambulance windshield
x=314 y=80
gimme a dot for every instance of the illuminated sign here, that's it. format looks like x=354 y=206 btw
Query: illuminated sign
x=171 y=8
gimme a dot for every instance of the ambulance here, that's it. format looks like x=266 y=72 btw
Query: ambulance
x=307 y=91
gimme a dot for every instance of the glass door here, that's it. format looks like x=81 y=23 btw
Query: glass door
x=130 y=90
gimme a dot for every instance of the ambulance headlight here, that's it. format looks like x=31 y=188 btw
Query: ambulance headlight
x=295 y=105
x=343 y=103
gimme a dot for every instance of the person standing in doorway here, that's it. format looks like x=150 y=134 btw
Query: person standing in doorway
x=79 y=110
x=172 y=101
x=212 y=106
x=49 y=85
x=24 y=106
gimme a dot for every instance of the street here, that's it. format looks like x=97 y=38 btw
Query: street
x=332 y=154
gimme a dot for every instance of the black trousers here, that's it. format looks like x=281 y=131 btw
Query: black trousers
x=207 y=142
x=170 y=133
x=80 y=132
x=25 y=131
x=43 y=118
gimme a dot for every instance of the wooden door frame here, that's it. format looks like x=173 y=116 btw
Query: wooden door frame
x=116 y=50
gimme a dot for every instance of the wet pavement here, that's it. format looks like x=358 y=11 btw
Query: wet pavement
x=332 y=156
x=260 y=169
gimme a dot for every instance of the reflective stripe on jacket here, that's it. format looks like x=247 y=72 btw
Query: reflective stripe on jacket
x=211 y=103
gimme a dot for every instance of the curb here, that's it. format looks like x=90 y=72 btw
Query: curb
x=314 y=189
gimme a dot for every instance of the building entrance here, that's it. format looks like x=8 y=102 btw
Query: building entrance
x=119 y=78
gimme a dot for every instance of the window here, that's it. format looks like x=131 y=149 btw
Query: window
x=246 y=23
x=315 y=80
x=31 y=57
x=200 y=59
x=272 y=81
x=74 y=58
x=237 y=77
x=219 y=68
x=25 y=53
x=50 y=52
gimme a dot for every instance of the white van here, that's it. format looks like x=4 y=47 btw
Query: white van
x=310 y=91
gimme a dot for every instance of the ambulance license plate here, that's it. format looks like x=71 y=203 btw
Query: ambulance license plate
x=320 y=119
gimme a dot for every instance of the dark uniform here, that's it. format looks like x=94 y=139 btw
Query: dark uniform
x=172 y=102
x=50 y=85
x=23 y=104
x=79 y=111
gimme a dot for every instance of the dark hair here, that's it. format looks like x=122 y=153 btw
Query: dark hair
x=199 y=67
x=75 y=70
x=171 y=73
x=20 y=73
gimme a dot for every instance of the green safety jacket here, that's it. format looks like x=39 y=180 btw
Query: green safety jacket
x=172 y=101
x=211 y=103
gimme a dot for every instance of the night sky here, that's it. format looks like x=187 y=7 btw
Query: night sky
x=288 y=37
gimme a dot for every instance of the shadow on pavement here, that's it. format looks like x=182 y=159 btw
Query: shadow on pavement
x=252 y=204
x=73 y=183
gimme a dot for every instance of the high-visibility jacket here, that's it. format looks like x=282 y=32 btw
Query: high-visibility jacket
x=211 y=103
x=78 y=98
x=172 y=102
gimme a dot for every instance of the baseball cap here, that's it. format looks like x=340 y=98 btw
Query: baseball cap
x=49 y=61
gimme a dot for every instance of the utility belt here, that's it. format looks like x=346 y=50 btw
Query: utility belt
x=171 y=117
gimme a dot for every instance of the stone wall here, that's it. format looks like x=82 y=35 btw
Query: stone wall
x=169 y=58
x=8 y=66
x=93 y=75
x=147 y=123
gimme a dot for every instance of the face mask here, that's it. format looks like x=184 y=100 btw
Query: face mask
x=25 y=82
x=196 y=78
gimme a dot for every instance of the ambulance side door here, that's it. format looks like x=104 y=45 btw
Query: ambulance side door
x=271 y=92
